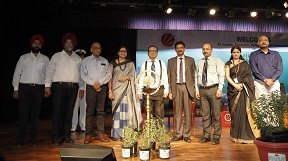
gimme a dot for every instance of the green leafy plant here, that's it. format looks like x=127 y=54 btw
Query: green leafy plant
x=130 y=136
x=270 y=111
x=163 y=136
x=148 y=134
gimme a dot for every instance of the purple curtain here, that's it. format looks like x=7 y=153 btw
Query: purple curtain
x=181 y=22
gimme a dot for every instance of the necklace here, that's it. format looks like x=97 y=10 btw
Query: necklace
x=120 y=65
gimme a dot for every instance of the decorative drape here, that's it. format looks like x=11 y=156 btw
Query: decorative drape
x=179 y=22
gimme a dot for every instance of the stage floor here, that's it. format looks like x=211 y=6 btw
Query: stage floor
x=180 y=150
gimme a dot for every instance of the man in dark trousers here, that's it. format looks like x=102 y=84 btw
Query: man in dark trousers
x=64 y=73
x=28 y=83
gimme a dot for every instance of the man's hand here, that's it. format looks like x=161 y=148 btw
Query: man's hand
x=16 y=95
x=218 y=93
x=197 y=94
x=47 y=91
x=170 y=96
x=81 y=94
x=96 y=85
x=139 y=96
x=165 y=95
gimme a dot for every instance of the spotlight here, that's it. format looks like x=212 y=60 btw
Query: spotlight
x=231 y=13
x=285 y=4
x=286 y=14
x=168 y=10
x=269 y=13
x=212 y=11
x=253 y=13
x=191 y=12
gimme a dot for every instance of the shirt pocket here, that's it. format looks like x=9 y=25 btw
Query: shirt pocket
x=212 y=67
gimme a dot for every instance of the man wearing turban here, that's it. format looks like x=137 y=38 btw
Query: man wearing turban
x=28 y=83
x=63 y=73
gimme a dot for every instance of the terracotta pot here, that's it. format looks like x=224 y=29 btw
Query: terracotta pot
x=271 y=150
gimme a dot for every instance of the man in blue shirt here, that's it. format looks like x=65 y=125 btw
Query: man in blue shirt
x=95 y=72
x=267 y=67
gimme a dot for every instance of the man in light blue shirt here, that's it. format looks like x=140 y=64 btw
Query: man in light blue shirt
x=209 y=81
x=95 y=72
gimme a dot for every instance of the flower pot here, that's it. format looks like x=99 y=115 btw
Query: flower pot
x=127 y=152
x=164 y=152
x=144 y=154
x=271 y=151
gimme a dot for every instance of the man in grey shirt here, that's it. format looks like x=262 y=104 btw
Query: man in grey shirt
x=209 y=81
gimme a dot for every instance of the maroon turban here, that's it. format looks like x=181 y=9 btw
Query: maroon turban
x=37 y=37
x=70 y=36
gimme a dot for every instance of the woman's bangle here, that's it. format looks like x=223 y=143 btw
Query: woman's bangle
x=110 y=92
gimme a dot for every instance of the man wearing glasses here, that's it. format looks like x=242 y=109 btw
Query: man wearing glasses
x=156 y=100
x=95 y=72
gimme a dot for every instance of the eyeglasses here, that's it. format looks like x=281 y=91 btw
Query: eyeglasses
x=97 y=48
x=122 y=51
x=150 y=51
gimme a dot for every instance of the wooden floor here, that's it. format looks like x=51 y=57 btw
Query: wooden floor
x=45 y=151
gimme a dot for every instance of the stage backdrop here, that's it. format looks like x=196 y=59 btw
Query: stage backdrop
x=221 y=41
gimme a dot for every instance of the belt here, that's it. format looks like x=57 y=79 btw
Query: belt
x=31 y=84
x=180 y=84
x=66 y=83
x=208 y=87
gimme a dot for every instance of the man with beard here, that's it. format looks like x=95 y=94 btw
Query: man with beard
x=209 y=81
x=266 y=66
x=28 y=83
x=181 y=80
x=64 y=73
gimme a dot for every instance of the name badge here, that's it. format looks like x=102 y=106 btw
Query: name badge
x=235 y=80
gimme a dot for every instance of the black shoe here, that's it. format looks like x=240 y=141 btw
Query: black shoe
x=56 y=142
x=68 y=140
x=175 y=138
x=204 y=140
x=187 y=139
x=215 y=141
x=34 y=142
x=20 y=142
x=83 y=131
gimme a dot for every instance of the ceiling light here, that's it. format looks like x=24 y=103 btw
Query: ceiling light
x=253 y=13
x=231 y=13
x=191 y=12
x=285 y=4
x=168 y=10
x=269 y=13
x=212 y=11
x=286 y=14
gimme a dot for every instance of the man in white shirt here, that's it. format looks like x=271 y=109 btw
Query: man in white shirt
x=28 y=83
x=156 y=101
x=64 y=73
x=80 y=104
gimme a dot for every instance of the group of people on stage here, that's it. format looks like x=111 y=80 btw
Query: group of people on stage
x=72 y=79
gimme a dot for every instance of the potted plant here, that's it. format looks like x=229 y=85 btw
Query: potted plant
x=163 y=139
x=129 y=147
x=147 y=138
x=269 y=112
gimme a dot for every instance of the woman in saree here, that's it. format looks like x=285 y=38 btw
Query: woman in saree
x=240 y=92
x=122 y=91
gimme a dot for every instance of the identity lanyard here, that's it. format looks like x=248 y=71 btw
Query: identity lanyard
x=238 y=66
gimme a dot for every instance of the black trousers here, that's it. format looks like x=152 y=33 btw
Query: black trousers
x=63 y=96
x=30 y=102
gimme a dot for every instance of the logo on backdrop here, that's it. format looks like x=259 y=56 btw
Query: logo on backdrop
x=167 y=39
